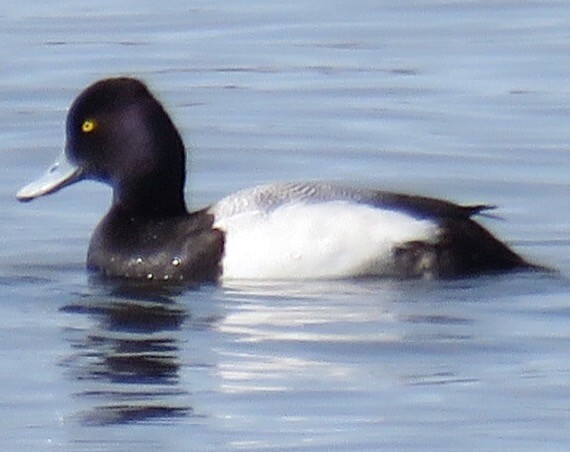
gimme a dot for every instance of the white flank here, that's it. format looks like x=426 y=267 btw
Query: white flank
x=327 y=239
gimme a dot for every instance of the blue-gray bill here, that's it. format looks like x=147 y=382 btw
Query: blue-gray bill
x=59 y=175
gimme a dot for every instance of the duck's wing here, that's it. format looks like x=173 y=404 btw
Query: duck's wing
x=271 y=196
x=425 y=207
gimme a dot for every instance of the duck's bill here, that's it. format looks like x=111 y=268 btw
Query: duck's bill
x=61 y=174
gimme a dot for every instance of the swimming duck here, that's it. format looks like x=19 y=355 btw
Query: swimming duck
x=118 y=133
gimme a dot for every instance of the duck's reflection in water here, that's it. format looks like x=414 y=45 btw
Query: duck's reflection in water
x=125 y=360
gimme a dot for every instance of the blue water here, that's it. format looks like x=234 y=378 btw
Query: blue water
x=462 y=100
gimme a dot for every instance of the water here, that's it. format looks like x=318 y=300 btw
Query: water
x=462 y=100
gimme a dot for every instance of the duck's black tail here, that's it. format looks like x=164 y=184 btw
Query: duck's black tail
x=464 y=248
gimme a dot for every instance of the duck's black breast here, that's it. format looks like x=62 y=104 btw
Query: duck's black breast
x=180 y=248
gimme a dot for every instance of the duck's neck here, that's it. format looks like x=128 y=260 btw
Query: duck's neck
x=157 y=200
x=155 y=188
x=148 y=202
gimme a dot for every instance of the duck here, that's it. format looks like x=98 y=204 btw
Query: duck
x=119 y=133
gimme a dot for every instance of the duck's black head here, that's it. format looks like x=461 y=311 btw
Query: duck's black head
x=118 y=133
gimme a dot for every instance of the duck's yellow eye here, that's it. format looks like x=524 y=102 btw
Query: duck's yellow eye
x=89 y=125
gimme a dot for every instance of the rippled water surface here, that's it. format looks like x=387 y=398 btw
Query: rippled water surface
x=456 y=99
